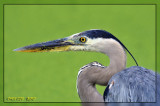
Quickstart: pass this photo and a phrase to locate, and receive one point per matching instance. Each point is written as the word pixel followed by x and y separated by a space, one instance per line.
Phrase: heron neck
pixel 87 90
pixel 117 58
pixel 116 54
pixel 99 75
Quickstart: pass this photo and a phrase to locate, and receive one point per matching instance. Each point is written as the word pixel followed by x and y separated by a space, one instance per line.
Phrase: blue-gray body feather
pixel 134 84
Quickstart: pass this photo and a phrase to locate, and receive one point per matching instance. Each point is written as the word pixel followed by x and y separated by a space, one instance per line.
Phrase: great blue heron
pixel 134 84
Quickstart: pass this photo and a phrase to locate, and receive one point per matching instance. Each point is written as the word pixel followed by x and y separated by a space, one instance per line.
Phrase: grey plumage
pixel 135 84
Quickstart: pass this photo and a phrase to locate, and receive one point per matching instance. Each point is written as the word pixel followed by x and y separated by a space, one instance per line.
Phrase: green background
pixel 51 77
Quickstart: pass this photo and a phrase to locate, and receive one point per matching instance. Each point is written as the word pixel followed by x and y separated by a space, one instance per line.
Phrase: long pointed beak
pixel 55 45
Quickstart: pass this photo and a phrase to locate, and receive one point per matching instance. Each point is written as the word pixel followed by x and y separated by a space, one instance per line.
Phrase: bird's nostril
pixel 42 48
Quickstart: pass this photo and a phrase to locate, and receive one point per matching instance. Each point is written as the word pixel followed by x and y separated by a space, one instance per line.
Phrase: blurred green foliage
pixel 51 77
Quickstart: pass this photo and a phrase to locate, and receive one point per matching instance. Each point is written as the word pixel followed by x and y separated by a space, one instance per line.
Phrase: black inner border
pixel 90 4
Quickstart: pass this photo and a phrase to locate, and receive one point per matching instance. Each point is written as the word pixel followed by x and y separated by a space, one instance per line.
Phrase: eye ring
pixel 82 39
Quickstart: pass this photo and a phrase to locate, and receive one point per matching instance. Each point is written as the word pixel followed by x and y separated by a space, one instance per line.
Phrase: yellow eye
pixel 82 39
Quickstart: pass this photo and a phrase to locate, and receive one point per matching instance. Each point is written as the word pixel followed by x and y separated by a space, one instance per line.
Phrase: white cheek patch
pixel 89 45
pixel 94 41
pixel 77 48
pixel 95 44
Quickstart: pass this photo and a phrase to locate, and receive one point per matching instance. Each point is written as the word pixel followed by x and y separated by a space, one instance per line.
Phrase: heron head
pixel 90 40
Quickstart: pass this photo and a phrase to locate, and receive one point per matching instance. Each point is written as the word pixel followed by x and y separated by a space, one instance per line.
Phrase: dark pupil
pixel 82 39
